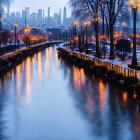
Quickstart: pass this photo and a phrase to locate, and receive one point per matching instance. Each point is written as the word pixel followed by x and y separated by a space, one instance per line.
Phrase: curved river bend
pixel 44 98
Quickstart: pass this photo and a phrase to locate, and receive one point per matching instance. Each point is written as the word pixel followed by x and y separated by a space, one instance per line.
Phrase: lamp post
pixel 86 25
pixel 16 33
pixel 27 31
pixel 75 33
pixel 123 24
pixel 66 34
pixel 135 5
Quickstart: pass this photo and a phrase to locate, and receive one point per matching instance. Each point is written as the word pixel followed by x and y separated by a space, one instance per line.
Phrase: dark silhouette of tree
pixel 123 47
pixel 88 9
pixel 5 35
pixel 3 3
pixel 114 7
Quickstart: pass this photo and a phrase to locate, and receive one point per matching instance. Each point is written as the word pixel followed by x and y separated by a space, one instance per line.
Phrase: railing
pixel 110 66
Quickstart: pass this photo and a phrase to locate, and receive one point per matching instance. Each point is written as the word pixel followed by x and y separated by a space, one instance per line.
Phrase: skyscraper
pixel 49 16
pixel 13 15
pixel 65 16
pixel 40 17
pixel 59 21
pixel 34 19
pixel 49 11
pixel 23 16
pixel 43 16
pixel 8 10
pixel 27 15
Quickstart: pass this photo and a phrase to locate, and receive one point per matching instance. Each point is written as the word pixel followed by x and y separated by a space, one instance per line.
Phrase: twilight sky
pixel 34 5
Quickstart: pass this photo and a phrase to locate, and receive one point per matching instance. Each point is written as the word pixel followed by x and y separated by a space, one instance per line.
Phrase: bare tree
pixel 114 7
pixel 87 9
pixel 3 3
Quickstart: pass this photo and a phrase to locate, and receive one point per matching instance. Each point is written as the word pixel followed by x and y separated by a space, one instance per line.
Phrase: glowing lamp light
pixel 87 23
pixel 75 23
pixel 123 24
pixel 16 25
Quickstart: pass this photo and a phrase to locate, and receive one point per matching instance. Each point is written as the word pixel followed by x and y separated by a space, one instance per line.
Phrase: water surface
pixel 45 98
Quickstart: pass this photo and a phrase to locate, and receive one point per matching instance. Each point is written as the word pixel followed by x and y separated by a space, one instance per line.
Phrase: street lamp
pixel 86 25
pixel 75 33
pixel 27 31
pixel 135 5
pixel 16 33
pixel 123 24
pixel 66 34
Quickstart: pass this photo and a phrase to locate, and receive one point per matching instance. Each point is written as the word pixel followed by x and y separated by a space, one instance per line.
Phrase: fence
pixel 110 66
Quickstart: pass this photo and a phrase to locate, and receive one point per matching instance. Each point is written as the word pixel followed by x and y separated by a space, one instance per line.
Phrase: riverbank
pixel 122 80
pixel 17 57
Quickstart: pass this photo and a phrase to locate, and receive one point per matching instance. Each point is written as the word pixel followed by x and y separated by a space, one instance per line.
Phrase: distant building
pixel 27 15
pixel 40 17
pixel 65 16
pixel 59 20
pixel 13 16
pixel 56 18
pixel 23 17
pixel 18 17
pixel 43 16
pixel 34 19
pixel 49 16
pixel 49 11
pixel 8 11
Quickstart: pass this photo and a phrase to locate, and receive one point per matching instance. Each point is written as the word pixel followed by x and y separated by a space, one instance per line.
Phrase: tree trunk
pixel 111 43
pixel 97 40
pixel 111 15
pixel 86 40
pixel 103 35
pixel 96 32
pixel 134 59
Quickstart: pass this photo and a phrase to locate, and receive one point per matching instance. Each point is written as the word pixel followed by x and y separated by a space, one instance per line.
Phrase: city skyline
pixel 18 5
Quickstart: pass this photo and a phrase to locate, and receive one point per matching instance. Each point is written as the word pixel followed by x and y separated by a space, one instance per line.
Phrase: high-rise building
pixel 43 16
pixel 49 16
pixel 40 17
pixel 59 21
pixel 49 11
pixel 8 11
pixel 56 18
pixel 23 17
pixel 17 15
pixel 34 19
pixel 27 15
pixel 65 16
pixel 13 16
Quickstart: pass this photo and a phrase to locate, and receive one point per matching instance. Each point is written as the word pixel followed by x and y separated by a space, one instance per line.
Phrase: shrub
pixel 111 73
pixel 80 60
pixel 12 59
pixel 3 62
pixel 19 55
pixel 137 89
pixel 96 68
pixel 73 56
pixel 24 52
pixel 119 76
pixel 129 80
pixel 102 70
pixel 88 63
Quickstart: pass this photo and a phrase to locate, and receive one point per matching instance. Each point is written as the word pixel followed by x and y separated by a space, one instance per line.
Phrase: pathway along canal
pixel 44 98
